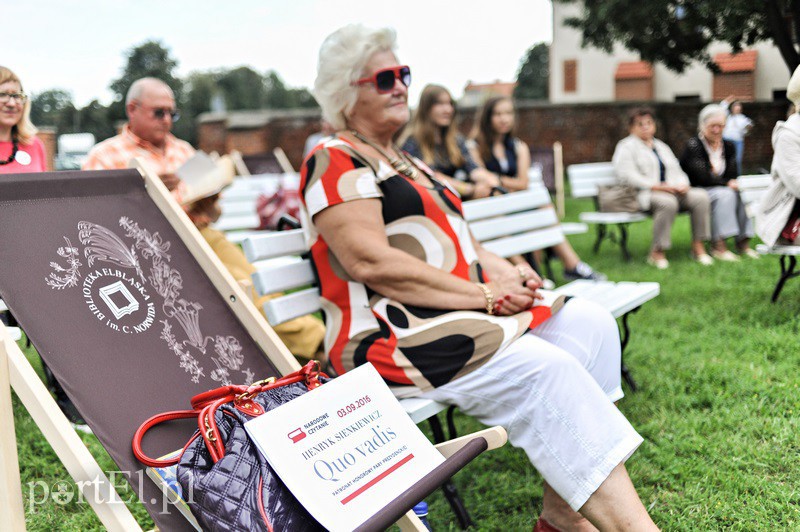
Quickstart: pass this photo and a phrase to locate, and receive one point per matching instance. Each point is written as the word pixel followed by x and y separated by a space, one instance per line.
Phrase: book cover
pixel 166 479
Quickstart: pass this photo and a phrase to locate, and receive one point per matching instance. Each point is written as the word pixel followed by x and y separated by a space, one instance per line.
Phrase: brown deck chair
pixel 89 271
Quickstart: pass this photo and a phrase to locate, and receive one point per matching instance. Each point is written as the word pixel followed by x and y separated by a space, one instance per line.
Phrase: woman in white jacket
pixel 782 200
pixel 643 162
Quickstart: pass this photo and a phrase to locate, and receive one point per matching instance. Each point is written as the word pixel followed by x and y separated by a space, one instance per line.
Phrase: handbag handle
pixel 205 407
pixel 138 452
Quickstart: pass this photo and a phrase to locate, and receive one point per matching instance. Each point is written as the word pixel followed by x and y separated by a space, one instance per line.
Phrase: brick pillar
pixel 48 137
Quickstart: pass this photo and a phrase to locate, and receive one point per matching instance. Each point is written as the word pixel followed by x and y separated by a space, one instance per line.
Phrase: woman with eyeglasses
pixel 406 287
pixel 20 150
pixel 434 138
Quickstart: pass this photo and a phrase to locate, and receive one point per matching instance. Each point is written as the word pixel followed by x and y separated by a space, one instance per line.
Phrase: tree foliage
pixel 678 32
pixel 149 59
pixel 533 74
pixel 54 108
pixel 240 88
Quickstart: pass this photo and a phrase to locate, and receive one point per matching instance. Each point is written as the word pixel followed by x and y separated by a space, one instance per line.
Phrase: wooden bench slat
pixel 513 223
pixel 275 244
pixel 497 205
pixel 294 305
pixel 778 250
pixel 421 409
pixel 235 208
pixel 239 236
pixel 271 279
pixel 522 243
pixel 239 221
pixel 611 217
pixel 574 228
pixel 619 298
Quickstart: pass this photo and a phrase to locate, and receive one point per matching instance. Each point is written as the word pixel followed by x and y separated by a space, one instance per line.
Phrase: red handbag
pixel 792 227
pixel 232 485
pixel 270 209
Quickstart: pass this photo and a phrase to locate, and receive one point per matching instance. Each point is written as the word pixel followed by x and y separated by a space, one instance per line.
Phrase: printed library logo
pixel 118 300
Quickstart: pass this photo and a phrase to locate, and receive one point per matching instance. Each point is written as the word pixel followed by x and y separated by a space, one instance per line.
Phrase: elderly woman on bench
pixel 406 287
pixel 710 163
pixel 645 163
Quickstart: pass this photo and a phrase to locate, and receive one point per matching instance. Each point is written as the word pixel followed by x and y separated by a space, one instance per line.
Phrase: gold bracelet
pixel 487 293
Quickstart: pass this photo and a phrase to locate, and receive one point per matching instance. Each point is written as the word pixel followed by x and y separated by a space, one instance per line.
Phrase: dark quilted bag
pixel 239 490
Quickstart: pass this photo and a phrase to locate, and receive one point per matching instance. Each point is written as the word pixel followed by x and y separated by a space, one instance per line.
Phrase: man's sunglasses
pixel 384 79
pixel 160 112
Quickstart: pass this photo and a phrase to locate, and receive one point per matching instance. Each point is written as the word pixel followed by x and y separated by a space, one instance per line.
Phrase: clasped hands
pixel 515 290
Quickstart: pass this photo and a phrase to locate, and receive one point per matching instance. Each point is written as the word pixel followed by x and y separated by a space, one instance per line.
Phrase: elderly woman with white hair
pixel 407 288
pixel 710 163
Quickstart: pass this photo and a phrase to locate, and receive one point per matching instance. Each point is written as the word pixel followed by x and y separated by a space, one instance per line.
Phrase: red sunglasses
pixel 384 79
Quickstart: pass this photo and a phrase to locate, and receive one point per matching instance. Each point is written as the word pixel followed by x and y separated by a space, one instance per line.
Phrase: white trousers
pixel 553 391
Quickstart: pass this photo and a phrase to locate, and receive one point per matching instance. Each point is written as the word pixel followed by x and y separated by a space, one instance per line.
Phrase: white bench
pixel 238 201
pixel 15 332
pixel 584 180
pixel 507 225
pixel 752 188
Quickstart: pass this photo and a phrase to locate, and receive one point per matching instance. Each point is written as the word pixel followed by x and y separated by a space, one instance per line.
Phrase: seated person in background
pixel 150 106
pixel 435 119
pixel 643 162
pixel 778 217
pixel 434 138
pixel 303 336
pixel 710 163
pixel 405 287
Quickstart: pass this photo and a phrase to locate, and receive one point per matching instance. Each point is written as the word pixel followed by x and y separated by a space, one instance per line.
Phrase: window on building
pixel 779 95
pixel 570 75
pixel 687 97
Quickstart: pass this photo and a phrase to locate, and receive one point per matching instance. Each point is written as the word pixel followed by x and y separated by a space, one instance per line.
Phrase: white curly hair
pixel 342 58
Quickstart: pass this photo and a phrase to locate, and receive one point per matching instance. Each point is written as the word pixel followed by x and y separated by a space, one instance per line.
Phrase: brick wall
pixel 633 90
pixel 48 137
pixel 741 84
pixel 211 136
pixel 247 141
pixel 588 132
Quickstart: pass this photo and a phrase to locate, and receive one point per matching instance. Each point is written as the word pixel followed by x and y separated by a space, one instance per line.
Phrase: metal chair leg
pixel 786 274
pixel 601 234
pixel 623 241
pixel 625 337
pixel 448 488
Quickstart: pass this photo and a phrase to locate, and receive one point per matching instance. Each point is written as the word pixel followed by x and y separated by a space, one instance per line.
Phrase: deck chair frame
pixel 16 373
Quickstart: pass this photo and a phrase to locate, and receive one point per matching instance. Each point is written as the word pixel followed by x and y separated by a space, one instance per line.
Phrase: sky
pixel 80 46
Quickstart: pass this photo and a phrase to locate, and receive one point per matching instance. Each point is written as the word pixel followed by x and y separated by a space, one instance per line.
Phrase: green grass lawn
pixel 718 406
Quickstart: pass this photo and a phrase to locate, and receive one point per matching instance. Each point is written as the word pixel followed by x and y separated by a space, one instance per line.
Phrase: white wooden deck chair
pixel 14 332
pixel 133 313
pixel 238 163
pixel 283 160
